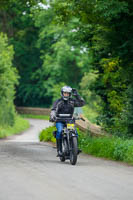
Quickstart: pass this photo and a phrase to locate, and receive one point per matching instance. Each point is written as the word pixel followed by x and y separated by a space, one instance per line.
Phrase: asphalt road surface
pixel 30 170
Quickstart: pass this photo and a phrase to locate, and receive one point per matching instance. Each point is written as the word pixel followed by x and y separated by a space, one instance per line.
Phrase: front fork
pixel 69 139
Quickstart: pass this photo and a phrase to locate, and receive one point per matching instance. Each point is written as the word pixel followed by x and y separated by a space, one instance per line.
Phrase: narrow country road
pixel 30 170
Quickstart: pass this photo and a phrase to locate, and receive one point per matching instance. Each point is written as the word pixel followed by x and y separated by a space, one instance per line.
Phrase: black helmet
pixel 67 89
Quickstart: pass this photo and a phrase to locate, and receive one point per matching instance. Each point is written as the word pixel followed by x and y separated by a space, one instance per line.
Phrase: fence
pixel 82 125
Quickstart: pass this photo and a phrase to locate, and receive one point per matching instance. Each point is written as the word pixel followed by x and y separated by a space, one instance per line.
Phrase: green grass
pixel 45 117
pixel 19 126
pixel 112 148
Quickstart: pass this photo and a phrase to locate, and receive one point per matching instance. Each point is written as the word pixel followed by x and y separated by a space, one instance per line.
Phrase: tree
pixel 63 58
pixel 8 80
pixel 106 26
pixel 17 22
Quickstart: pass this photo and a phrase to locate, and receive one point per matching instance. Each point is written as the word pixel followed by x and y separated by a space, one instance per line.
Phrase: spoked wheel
pixel 74 151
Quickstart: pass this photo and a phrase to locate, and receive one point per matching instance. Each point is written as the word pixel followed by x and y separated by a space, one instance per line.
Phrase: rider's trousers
pixel 60 126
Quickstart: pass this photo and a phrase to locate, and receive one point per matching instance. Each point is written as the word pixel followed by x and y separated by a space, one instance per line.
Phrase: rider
pixel 64 105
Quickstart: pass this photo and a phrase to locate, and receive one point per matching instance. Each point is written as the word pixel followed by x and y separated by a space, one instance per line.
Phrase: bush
pixel 47 134
pixel 8 79
pixel 129 153
pixel 113 148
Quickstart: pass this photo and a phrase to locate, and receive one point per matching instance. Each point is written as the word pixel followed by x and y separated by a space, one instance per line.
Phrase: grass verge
pixel 112 148
pixel 19 126
pixel 45 117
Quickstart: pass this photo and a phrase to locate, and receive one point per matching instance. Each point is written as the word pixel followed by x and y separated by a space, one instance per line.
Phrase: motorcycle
pixel 69 138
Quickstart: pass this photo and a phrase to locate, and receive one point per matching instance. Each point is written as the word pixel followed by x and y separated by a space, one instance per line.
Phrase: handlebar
pixel 67 119
pixel 70 117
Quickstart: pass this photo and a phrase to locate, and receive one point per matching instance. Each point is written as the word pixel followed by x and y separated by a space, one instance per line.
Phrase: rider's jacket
pixel 61 106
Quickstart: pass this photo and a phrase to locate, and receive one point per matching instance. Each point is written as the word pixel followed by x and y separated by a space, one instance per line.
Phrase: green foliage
pixel 113 148
pixel 91 113
pixel 19 126
pixel 129 154
pixel 110 39
pixel 47 134
pixel 92 108
pixel 98 10
pixel 85 44
pixel 112 80
pixel 17 21
pixel 127 113
pixel 57 91
pixel 63 59
pixel 8 79
pixel 86 85
pixel 113 96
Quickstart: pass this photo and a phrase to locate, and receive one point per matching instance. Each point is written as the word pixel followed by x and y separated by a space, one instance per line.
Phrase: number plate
pixel 71 126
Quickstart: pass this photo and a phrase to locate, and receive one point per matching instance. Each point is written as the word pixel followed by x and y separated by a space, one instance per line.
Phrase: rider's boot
pixel 59 147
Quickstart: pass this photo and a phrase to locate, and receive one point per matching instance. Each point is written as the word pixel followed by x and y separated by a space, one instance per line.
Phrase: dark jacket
pixel 61 106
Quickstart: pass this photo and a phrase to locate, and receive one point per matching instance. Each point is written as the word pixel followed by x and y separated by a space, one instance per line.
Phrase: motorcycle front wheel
pixel 74 151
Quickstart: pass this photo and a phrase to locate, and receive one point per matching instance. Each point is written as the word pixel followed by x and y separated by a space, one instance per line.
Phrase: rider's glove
pixel 74 91
pixel 52 116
